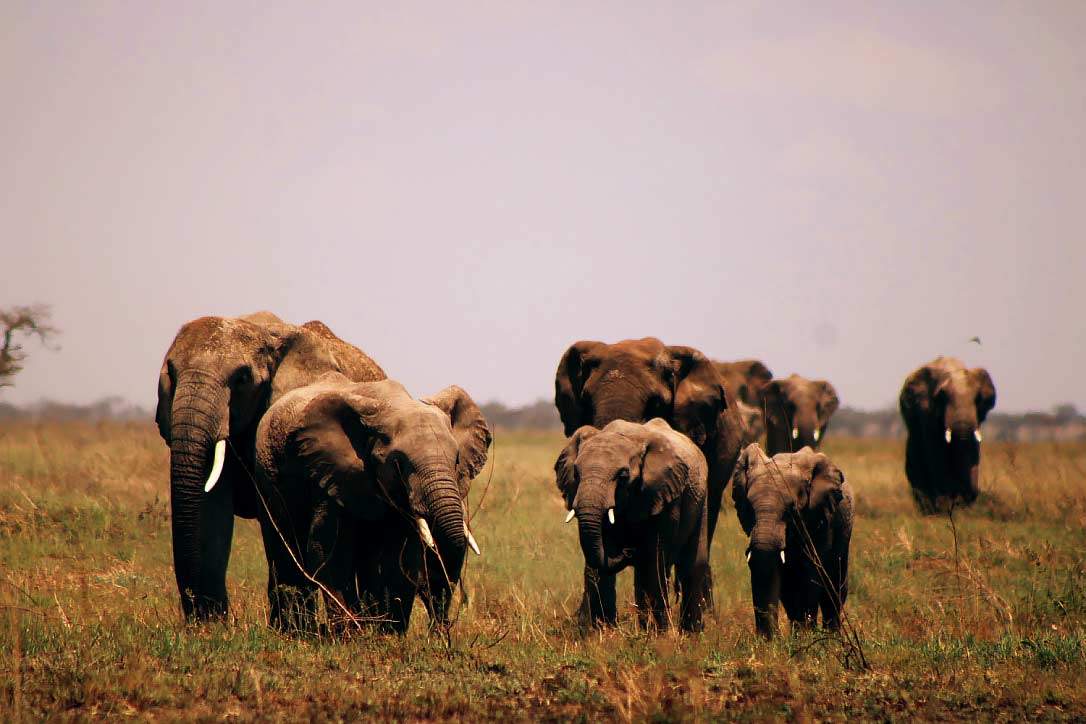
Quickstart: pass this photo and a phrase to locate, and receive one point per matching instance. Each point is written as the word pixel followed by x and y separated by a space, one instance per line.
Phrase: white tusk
pixel 748 556
pixel 795 433
pixel 782 556
pixel 216 466
pixel 569 516
pixel 611 515
pixel 817 434
pixel 471 541
pixel 977 435
pixel 948 436
pixel 424 531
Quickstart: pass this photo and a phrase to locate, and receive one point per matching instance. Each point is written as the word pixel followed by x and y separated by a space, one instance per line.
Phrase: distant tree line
pixel 1064 422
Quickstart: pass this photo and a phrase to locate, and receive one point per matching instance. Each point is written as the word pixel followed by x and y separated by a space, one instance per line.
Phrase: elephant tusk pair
pixel 782 556
pixel 216 466
pixel 610 515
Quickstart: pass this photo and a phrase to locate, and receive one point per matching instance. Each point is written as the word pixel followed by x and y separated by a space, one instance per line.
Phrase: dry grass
pixel 89 622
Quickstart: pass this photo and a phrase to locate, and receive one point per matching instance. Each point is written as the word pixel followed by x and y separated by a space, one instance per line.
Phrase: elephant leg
pixel 397 585
pixel 691 571
pixel 919 475
pixel 598 606
pixel 369 543
pixel 651 589
pixel 290 593
pixel 329 557
pixel 833 600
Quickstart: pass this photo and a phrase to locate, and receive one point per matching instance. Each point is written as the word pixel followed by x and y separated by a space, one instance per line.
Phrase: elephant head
pixel 776 499
pixel 798 411
pixel 637 380
pixel 615 479
pixel 746 380
pixel 214 385
pixel 944 403
pixel 375 449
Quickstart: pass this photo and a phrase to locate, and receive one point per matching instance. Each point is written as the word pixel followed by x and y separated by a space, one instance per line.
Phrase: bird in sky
pixel 974 339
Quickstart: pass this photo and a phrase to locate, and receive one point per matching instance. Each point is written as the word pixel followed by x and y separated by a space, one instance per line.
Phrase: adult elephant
pixel 218 378
pixel 943 405
pixel 367 491
pixel 746 379
pixel 637 380
pixel 798 412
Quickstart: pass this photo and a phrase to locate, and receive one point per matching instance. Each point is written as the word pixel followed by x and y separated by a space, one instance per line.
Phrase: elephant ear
pixel 827 399
pixel 573 370
pixel 740 485
pixel 699 397
pixel 165 402
pixel 469 427
pixel 916 393
pixel 564 475
pixel 774 395
pixel 334 432
pixel 826 487
pixel 665 473
pixel 986 392
pixel 758 376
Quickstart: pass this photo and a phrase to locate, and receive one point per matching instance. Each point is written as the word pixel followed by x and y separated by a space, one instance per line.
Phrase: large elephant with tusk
pixel 367 491
pixel 218 378
pixel 638 379
pixel 797 412
pixel 943 405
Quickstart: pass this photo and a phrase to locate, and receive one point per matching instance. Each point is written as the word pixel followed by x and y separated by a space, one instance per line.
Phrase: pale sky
pixel 844 190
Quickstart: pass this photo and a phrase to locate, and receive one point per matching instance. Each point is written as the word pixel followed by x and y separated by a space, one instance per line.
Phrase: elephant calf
pixel 639 493
pixel 365 489
pixel 797 510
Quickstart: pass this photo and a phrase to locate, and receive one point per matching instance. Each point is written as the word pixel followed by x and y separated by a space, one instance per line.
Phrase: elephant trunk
pixel 445 508
pixel 963 460
pixel 765 587
pixel 202 522
pixel 619 400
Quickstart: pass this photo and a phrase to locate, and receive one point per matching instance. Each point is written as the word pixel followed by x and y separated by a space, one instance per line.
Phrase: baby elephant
pixel 365 489
pixel 639 494
pixel 797 510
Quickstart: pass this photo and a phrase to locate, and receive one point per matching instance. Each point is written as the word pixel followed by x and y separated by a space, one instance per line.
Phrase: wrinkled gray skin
pixel 746 379
pixel 941 398
pixel 349 469
pixel 776 500
pixel 798 412
pixel 218 377
pixel 639 379
pixel 654 479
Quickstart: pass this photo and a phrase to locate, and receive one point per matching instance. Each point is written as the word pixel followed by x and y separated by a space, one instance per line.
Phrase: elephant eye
pixel 622 476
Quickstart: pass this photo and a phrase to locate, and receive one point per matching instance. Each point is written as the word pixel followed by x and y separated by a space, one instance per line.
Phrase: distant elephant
pixel 791 506
pixel 218 377
pixel 637 380
pixel 746 379
pixel 943 405
pixel 639 494
pixel 798 412
pixel 367 487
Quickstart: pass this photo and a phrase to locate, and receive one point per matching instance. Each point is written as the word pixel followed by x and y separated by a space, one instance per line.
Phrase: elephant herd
pixel 360 489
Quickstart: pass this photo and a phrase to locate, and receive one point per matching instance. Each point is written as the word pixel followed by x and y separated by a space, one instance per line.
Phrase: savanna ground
pixel 989 623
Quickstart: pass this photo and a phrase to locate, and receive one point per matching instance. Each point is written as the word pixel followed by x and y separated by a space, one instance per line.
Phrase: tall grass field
pixel 982 616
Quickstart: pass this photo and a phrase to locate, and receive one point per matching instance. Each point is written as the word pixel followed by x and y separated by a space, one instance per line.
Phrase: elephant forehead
pixel 607 448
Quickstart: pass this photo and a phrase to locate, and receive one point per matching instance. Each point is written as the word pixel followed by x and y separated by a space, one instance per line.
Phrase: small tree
pixel 24 322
